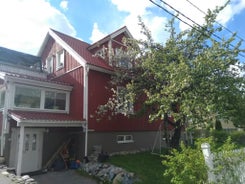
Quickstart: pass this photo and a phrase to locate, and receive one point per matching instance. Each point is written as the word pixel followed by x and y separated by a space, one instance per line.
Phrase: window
pixel 60 59
pixel 2 99
pixel 30 97
pixel 27 139
pixel 50 64
pixel 34 142
pixel 124 139
pixel 123 60
pixel 101 53
pixel 125 105
pixel 55 100
pixel 27 97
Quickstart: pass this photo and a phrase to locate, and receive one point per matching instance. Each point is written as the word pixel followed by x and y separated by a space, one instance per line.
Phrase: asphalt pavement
pixel 63 177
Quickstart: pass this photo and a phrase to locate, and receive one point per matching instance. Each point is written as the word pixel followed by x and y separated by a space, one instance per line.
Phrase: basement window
pixel 125 139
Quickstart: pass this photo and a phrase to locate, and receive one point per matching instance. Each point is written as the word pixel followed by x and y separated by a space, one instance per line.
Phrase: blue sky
pixel 24 23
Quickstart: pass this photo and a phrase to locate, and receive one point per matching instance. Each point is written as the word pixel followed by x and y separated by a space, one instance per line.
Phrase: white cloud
pixel 96 33
pixel 155 23
pixel 24 24
pixel 197 16
pixel 64 5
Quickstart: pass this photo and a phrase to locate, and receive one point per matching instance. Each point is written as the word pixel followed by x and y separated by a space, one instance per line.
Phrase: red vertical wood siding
pixel 75 78
pixel 67 75
pixel 98 95
pixel 97 92
pixel 50 50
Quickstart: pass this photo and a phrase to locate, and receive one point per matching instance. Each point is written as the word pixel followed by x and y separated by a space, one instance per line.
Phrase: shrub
pixel 227 163
pixel 186 166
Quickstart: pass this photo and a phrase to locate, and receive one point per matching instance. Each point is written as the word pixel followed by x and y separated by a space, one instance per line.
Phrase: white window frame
pixel 122 139
pixel 101 53
pixel 42 99
pixel 55 98
pixel 60 59
pixel 50 64
pixel 30 88
pixel 2 98
pixel 130 108
pixel 122 60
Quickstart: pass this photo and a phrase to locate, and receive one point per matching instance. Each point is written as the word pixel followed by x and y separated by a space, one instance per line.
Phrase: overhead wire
pixel 199 9
pixel 188 18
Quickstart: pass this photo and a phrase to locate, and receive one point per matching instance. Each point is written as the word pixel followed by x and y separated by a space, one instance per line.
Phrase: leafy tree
pixel 191 71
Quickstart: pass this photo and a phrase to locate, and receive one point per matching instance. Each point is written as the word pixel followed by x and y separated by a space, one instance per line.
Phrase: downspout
pixel 85 107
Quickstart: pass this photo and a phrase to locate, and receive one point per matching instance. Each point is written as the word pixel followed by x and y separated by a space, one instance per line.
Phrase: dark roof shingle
pixel 9 56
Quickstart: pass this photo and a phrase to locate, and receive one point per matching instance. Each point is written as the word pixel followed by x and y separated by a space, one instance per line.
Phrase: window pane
pixel 60 59
pixel 27 97
pixel 61 101
pixel 50 64
pixel 55 100
pixel 34 142
pixel 49 100
pixel 27 142
pixel 128 137
pixel 120 138
pixel 2 99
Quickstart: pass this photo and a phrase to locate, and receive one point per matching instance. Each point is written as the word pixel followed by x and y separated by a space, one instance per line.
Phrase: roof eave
pixel 43 45
pixel 111 36
pixel 50 123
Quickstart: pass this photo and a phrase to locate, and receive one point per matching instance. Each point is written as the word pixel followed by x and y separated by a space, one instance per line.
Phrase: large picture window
pixel 27 97
pixel 55 100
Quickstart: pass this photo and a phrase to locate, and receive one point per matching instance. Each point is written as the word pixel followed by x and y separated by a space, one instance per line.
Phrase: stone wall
pixel 108 172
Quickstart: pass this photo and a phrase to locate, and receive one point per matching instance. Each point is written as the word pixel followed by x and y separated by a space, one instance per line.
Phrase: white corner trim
pixel 80 59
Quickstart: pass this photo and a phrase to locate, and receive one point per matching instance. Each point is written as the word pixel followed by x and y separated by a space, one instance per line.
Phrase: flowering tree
pixel 192 70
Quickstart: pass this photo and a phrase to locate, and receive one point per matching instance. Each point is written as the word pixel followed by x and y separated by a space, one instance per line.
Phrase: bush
pixel 238 137
pixel 227 163
pixel 186 166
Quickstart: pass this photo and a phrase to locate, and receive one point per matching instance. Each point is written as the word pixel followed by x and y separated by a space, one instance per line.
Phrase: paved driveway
pixel 63 177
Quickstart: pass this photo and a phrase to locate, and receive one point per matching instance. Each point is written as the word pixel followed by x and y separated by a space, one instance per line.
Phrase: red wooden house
pixel 43 108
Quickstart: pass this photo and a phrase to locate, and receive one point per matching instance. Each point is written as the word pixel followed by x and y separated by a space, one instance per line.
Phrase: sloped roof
pixel 81 48
pixel 111 36
pixel 9 56
pixel 37 79
pixel 45 118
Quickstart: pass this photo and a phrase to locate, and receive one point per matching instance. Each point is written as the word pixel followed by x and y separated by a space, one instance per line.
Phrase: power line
pixel 215 21
pixel 186 18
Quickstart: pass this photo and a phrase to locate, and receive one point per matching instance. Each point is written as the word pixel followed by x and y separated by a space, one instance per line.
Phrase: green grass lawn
pixel 147 167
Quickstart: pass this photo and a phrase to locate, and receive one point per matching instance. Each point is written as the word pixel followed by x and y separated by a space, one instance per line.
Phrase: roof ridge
pixel 73 37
